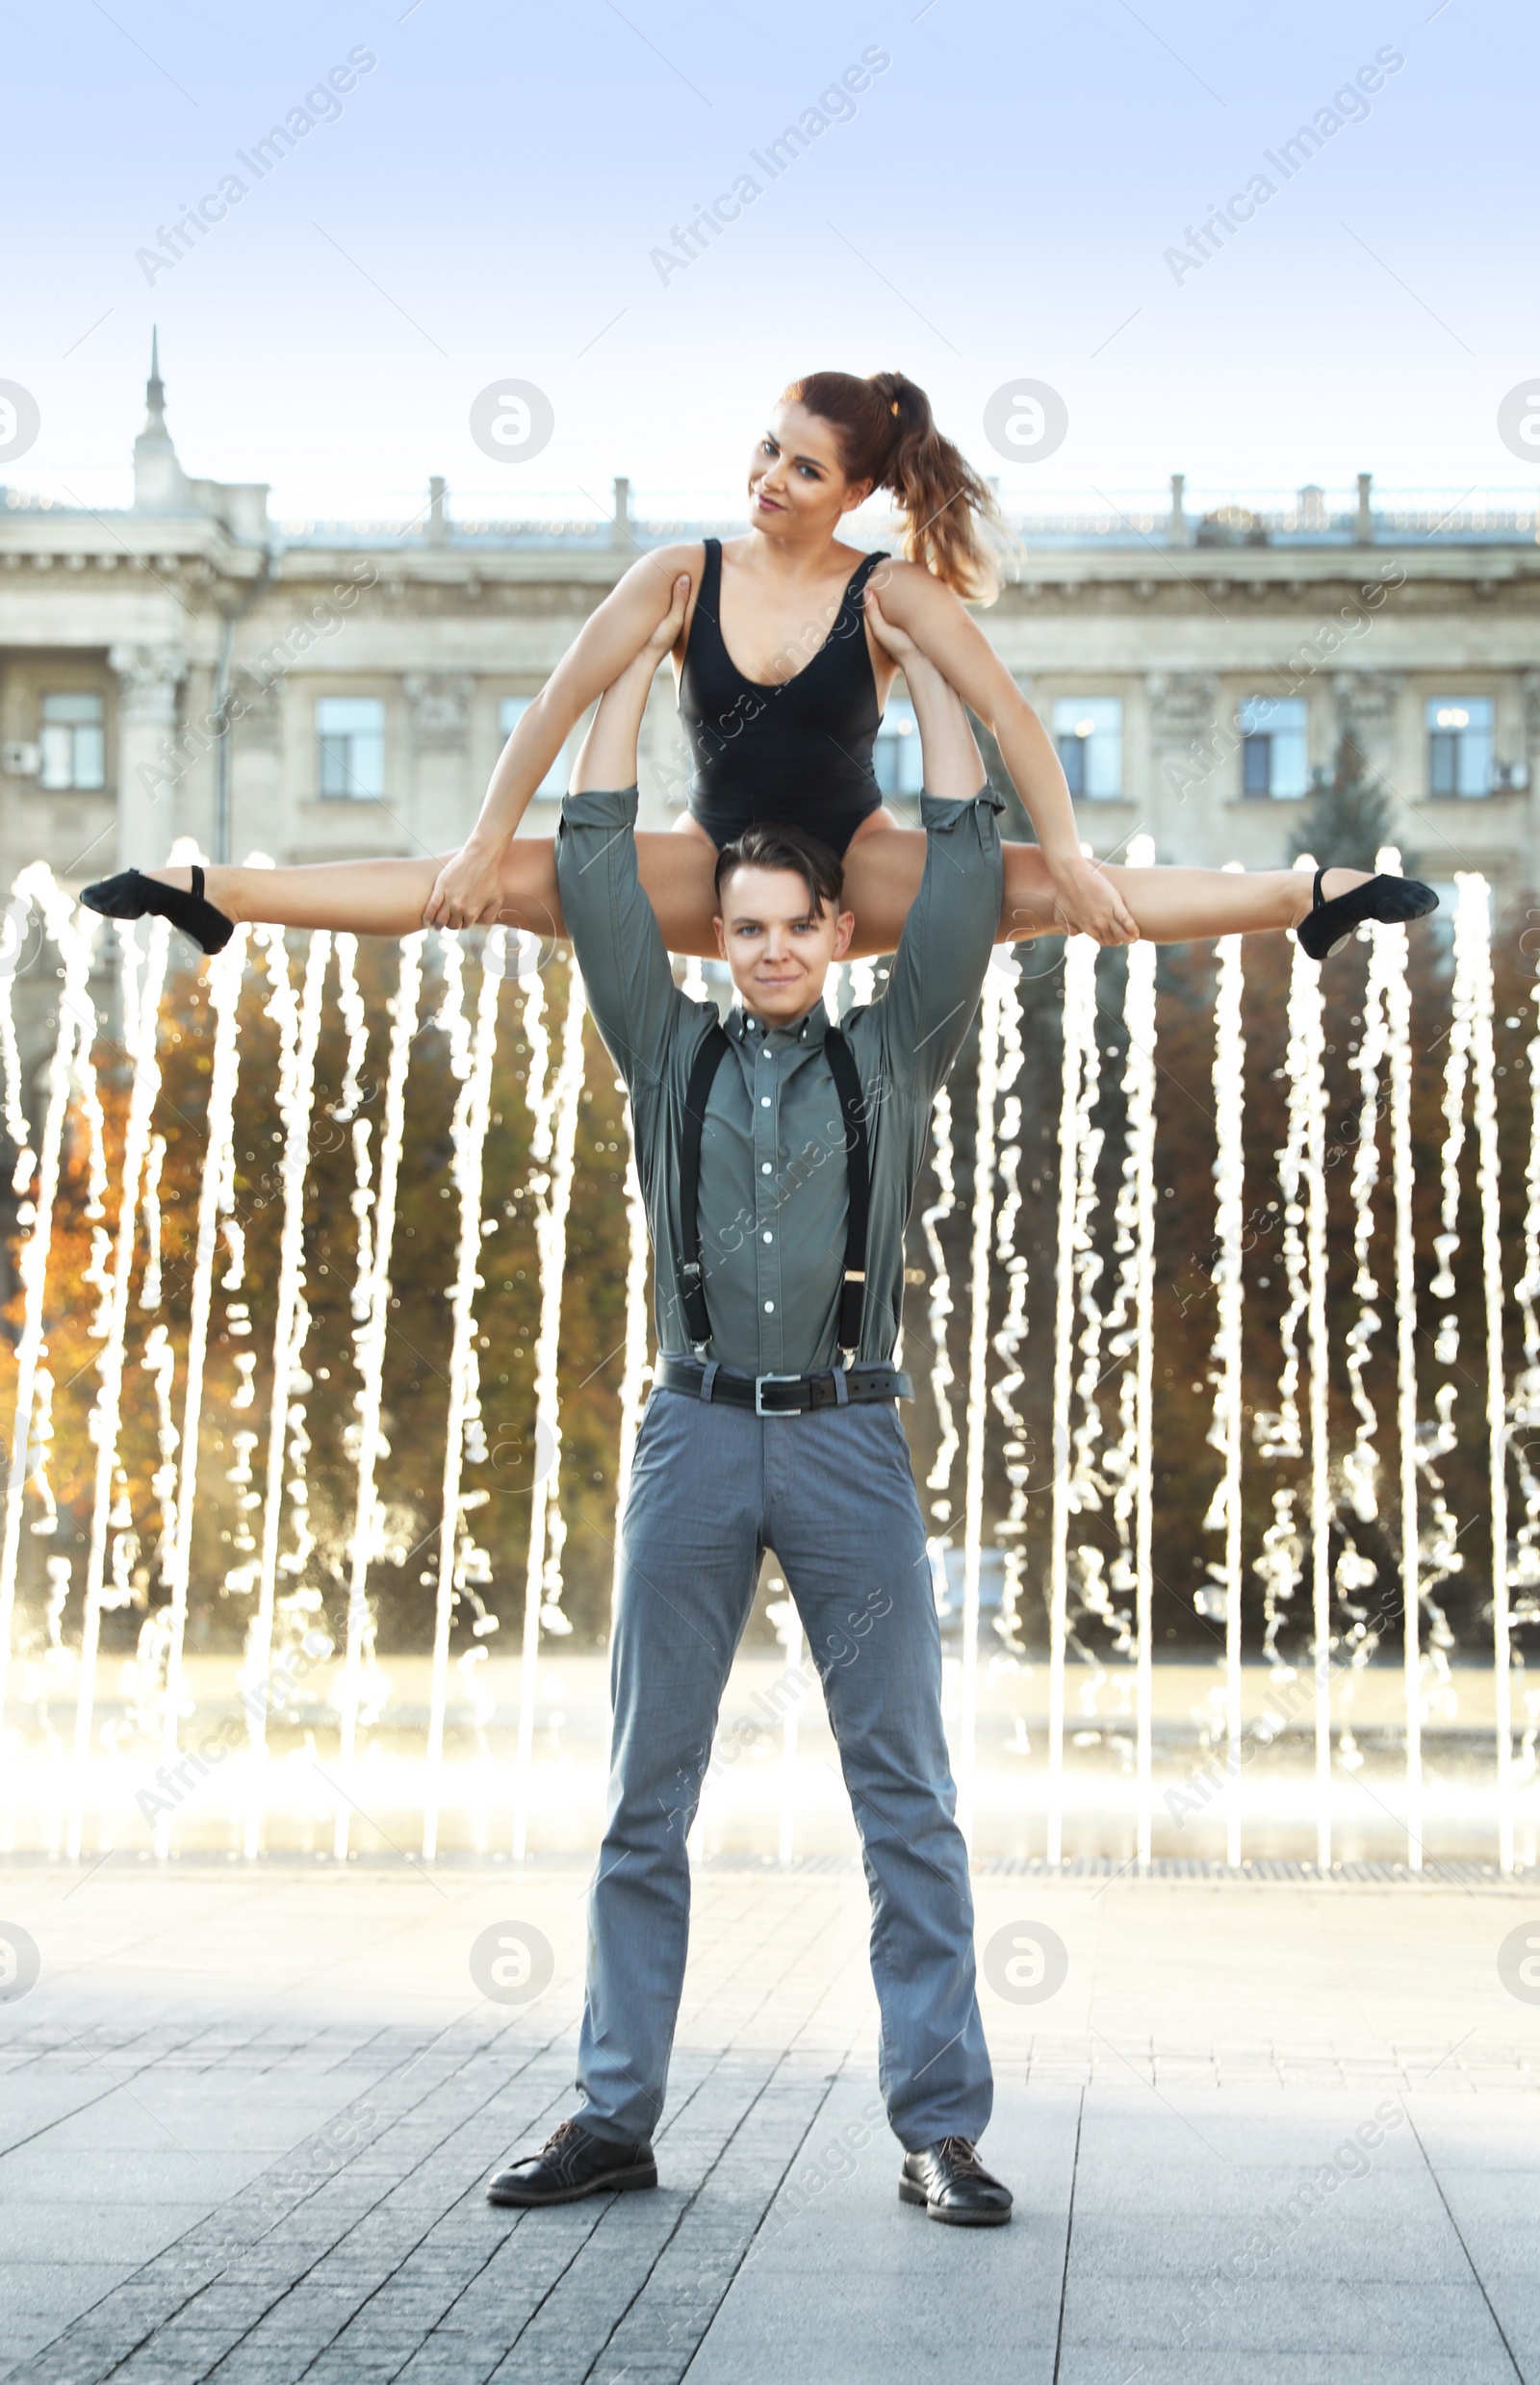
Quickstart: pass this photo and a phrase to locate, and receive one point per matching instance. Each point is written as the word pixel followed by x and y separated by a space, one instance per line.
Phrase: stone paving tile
pixel 161 2363
pixel 296 2190
pixel 723 2222
pixel 1083 2366
pixel 1349 2319
pixel 507 2292
pixel 843 2281
pixel 38 2231
pixel 1375 2246
pixel 1216 2077
pixel 37 2298
pixel 621 2263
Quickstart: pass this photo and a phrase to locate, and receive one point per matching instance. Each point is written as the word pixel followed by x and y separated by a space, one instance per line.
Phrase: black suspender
pixel 847 1084
pixel 692 1287
pixel 714 1045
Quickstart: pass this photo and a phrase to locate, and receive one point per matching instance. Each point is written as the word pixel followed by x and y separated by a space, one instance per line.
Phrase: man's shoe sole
pixel 908 2193
pixel 608 2182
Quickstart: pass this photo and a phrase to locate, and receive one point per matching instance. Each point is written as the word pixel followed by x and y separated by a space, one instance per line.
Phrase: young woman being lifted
pixel 782 685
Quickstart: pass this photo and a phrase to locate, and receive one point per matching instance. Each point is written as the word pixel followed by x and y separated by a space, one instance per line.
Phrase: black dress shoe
pixel 1326 926
pixel 130 895
pixel 954 2186
pixel 572 2164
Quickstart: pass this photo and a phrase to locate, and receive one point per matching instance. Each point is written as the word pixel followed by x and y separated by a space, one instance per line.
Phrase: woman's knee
pixel 528 887
pixel 1029 903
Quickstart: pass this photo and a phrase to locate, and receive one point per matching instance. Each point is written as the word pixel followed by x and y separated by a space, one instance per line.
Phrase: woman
pixel 782 685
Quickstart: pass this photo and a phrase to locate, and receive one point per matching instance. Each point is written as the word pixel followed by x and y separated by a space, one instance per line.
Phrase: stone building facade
pixel 181 668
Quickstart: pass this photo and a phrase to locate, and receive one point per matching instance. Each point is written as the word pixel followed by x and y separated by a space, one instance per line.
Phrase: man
pixel 777 1220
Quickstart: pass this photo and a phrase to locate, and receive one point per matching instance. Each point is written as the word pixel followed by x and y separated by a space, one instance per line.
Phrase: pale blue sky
pixel 998 204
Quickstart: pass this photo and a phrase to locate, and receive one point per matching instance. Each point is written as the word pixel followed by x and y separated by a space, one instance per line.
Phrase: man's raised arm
pixel 620 947
pixel 950 932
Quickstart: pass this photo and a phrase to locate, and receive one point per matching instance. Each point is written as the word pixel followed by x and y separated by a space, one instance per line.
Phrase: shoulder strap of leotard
pixel 706 618
pixel 851 609
pixel 710 575
pixel 864 572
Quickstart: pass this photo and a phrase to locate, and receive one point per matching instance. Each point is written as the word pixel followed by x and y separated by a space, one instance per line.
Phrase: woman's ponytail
pixel 888 435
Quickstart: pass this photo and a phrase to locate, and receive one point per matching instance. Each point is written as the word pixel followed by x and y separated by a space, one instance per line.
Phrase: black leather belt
pixel 781 1395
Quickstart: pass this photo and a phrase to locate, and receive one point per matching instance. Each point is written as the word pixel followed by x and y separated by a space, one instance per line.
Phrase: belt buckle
pixel 759 1382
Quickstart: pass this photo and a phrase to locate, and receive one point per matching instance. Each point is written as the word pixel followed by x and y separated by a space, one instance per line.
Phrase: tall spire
pixel 160 485
pixel 155 387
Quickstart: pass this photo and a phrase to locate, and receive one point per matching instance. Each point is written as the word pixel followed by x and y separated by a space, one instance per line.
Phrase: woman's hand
pixel 889 636
pixel 671 629
pixel 1090 904
pixel 468 890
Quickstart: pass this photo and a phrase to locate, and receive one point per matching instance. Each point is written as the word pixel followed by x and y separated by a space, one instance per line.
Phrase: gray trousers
pixel 832 1494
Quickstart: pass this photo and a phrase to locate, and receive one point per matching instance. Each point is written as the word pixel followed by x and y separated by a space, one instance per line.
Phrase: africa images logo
pixel 1348 106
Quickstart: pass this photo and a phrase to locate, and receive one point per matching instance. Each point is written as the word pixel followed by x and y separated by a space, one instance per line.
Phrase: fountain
pixel 1038 1433
pixel 1226 1432
pixel 374 1208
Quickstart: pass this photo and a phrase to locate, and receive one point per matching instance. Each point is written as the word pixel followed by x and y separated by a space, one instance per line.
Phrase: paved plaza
pixel 1279 2129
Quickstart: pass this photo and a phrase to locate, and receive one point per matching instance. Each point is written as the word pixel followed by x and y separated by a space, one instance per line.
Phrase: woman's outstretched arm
pixel 1168 906
pixel 1090 900
pixel 469 888
pixel 608 756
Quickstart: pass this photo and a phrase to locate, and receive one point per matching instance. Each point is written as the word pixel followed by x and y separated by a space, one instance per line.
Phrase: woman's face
pixel 797 483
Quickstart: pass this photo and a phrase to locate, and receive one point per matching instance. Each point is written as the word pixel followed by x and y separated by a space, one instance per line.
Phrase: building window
pixel 1089 733
pixel 72 747
pixel 1275 747
pixel 554 783
pixel 350 730
pixel 896 758
pixel 1459 745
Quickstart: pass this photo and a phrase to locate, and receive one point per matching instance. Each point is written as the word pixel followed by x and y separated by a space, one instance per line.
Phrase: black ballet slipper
pixel 130 895
pixel 1327 926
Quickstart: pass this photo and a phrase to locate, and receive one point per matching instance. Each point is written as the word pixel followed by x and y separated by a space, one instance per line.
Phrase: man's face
pixel 776 945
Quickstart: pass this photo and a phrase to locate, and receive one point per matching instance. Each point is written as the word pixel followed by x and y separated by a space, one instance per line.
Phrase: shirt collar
pixel 805 1033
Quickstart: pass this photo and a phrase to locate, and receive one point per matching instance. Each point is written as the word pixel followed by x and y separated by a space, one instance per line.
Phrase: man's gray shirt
pixel 773 1188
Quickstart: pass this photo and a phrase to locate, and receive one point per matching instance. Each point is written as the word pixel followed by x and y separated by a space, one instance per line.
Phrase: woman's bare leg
pixel 883 866
pixel 373 896
pixel 379 897
pixel 679 871
pixel 883 870
pixel 1171 906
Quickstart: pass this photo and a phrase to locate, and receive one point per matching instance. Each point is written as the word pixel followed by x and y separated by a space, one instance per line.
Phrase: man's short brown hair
pixel 766 845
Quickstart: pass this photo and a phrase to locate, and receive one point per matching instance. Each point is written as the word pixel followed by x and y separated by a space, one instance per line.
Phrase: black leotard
pixel 800 753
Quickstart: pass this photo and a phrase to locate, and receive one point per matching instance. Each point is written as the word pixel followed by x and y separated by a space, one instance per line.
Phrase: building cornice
pixel 70 540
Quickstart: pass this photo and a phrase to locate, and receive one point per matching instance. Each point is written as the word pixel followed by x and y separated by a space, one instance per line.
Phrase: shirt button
pixel 764 1101
pixel 769 1307
pixel 764 1167
pixel 769 1237
pixel 765 1051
